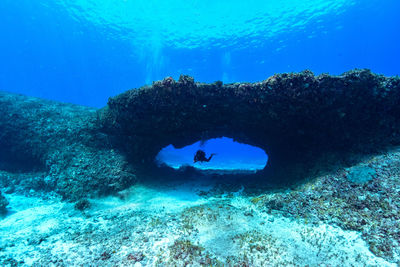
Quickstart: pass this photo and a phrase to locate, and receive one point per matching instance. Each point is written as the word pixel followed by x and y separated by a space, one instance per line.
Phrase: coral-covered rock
pixel 61 148
pixel 307 124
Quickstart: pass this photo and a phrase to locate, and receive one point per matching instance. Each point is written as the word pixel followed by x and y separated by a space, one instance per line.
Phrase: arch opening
pixel 225 154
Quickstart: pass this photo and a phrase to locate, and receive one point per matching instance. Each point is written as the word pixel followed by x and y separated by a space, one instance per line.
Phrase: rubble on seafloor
pixel 371 207
pixel 329 221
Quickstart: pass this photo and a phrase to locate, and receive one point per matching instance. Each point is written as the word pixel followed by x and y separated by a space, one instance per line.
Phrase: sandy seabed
pixel 195 223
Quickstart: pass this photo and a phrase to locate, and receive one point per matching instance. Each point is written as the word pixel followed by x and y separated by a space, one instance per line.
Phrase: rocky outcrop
pixel 61 145
pixel 307 124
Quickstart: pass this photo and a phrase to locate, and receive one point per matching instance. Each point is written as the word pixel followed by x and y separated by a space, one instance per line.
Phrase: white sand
pixel 150 219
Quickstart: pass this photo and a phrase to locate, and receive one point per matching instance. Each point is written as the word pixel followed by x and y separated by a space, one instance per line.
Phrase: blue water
pixel 84 51
pixel 247 157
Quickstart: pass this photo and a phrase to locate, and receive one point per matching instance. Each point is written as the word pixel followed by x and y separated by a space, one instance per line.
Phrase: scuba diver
pixel 201 156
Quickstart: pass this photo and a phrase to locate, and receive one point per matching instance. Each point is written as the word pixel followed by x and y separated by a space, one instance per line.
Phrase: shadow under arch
pixel 307 124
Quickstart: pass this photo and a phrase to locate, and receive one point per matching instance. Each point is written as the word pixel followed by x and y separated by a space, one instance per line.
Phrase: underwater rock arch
pixel 305 123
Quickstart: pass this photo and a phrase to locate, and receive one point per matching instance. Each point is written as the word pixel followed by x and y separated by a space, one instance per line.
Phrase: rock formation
pixel 307 125
pixel 59 147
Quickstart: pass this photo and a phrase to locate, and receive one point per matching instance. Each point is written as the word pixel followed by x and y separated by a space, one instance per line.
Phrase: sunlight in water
pixel 192 23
